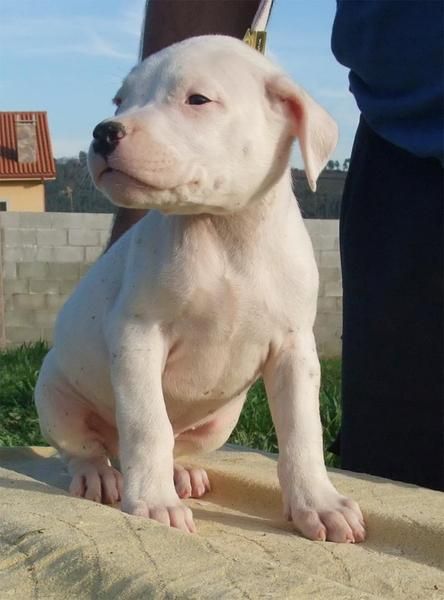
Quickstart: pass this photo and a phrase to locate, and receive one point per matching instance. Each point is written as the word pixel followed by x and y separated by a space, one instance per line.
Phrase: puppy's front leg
pixel 146 437
pixel 318 511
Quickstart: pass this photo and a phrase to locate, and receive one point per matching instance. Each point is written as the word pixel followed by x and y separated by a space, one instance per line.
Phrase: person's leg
pixel 392 250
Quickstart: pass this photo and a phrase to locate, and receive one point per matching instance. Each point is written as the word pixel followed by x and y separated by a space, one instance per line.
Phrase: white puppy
pixel 157 347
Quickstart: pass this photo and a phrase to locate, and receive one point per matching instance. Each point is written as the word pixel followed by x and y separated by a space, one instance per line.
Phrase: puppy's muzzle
pixel 107 136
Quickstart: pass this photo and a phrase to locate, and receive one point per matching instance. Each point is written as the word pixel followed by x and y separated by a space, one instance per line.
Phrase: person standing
pixel 392 241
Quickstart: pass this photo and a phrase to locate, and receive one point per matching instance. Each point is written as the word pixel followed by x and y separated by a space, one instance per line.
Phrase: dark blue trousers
pixel 392 251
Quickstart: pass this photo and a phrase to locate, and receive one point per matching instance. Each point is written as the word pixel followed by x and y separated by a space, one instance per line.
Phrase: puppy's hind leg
pixel 193 481
pixel 84 440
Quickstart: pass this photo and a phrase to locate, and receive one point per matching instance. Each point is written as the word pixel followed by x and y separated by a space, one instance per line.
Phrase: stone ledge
pixel 244 548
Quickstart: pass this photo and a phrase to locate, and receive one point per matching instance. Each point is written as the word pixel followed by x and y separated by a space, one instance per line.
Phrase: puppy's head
pixel 205 126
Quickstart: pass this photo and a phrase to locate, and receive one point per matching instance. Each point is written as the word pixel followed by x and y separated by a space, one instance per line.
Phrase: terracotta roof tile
pixel 10 167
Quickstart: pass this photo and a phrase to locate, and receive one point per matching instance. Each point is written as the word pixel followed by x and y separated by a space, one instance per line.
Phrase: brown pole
pixel 188 18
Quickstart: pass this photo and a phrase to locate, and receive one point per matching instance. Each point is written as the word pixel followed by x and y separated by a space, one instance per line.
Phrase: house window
pixel 3 205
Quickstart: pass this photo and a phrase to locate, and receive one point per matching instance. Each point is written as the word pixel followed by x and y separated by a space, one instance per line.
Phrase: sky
pixel 68 57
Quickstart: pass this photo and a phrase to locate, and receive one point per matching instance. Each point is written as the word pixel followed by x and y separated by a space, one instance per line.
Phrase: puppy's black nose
pixel 106 137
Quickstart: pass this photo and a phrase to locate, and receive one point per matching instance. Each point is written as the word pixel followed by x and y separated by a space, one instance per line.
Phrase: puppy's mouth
pixel 123 178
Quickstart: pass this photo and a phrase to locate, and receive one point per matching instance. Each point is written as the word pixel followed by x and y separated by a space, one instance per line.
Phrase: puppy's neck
pixel 239 234
pixel 263 215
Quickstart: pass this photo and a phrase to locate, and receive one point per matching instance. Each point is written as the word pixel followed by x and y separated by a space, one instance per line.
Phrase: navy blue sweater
pixel 395 52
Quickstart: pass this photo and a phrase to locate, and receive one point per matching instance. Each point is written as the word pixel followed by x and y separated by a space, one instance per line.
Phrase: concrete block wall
pixel 324 235
pixel 44 255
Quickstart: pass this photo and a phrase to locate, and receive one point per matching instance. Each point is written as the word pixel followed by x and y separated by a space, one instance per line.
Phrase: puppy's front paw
pixel 173 513
pixel 190 482
pixel 95 479
pixel 323 514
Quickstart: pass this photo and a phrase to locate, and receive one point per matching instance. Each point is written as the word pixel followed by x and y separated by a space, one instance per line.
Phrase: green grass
pixel 255 427
pixel 19 425
pixel 19 369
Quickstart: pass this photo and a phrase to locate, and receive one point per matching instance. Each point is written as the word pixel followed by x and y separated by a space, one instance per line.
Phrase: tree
pixel 73 190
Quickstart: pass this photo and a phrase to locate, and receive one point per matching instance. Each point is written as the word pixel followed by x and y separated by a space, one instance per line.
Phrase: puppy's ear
pixel 312 125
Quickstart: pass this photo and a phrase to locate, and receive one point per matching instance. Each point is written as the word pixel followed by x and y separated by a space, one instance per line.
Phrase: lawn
pixel 19 425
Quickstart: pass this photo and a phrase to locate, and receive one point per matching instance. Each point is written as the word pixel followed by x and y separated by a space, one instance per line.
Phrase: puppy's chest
pixel 217 346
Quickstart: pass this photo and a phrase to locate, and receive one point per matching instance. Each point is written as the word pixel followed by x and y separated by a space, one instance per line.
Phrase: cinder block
pixel 104 237
pixel 97 220
pixel 51 237
pixel 9 304
pixel 19 253
pixel 45 318
pixel 333 289
pixel 328 327
pixel 329 324
pixel 326 242
pixel 46 254
pixel 329 321
pixel 84 268
pixel 107 221
pixel 329 227
pixel 55 303
pixel 314 237
pixel 35 220
pixel 327 305
pixel 331 348
pixel 70 254
pixel 9 270
pixel 16 286
pixel 313 227
pixel 19 317
pixel 83 237
pixel 45 286
pixel 67 287
pixel 69 220
pixel 65 220
pixel 19 237
pixel 328 347
pixel 19 335
pixel 28 301
pixel 93 253
pixel 321 324
pixel 330 258
pixel 9 219
pixel 64 271
pixel 32 270
pixel 330 274
pixel 338 305
pixel 47 334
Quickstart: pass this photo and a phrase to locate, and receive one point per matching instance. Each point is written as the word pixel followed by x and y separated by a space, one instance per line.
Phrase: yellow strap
pixel 256 39
pixel 256 36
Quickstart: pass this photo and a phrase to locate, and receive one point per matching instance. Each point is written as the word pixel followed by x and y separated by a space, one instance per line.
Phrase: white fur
pixel 157 347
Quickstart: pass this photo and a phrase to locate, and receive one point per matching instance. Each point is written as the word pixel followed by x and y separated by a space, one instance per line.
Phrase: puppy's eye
pixel 117 101
pixel 197 99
